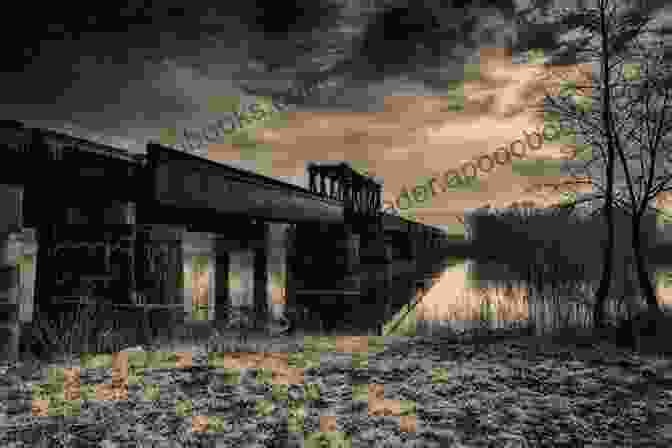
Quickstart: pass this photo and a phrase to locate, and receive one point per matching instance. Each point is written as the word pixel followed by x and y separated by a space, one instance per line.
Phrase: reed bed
pixel 542 266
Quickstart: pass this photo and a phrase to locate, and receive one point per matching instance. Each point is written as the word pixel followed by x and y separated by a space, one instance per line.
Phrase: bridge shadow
pixel 378 309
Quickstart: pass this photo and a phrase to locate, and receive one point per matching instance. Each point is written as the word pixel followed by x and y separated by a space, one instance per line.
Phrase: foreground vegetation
pixel 298 386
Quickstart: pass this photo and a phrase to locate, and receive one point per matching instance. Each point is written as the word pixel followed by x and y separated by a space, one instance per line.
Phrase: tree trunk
pixel 605 282
pixel 645 285
pixel 607 259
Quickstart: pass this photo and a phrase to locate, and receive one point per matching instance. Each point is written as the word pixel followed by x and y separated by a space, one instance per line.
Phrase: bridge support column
pixel 412 245
pixel 87 250
pixel 260 289
pixel 348 244
pixel 44 272
pixel 10 222
pixel 86 253
pixel 323 277
pixel 222 269
pixel 160 269
pixel 199 282
pixel 161 263
pixel 377 266
pixel 290 253
pixel 188 290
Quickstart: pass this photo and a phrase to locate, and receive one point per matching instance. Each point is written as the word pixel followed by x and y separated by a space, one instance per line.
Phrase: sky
pixel 374 85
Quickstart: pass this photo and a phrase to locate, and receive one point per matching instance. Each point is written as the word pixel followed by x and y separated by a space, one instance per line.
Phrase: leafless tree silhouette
pixel 604 117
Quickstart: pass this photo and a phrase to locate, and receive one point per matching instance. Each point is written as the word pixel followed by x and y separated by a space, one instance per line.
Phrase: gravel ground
pixel 406 392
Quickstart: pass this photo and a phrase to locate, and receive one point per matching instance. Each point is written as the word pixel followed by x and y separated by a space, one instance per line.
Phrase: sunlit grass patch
pixel 408 407
pixel 360 392
pixel 199 313
pixel 216 424
pixel 403 323
pixel 231 376
pixel 280 392
pixel 323 344
pixel 311 391
pixel 296 413
pixel 265 376
pixel 327 439
pixel 665 278
pixel 278 279
pixel 56 403
pixel 376 344
pixel 152 392
pixel 265 408
pixel 535 56
pixel 440 375
pixel 488 311
pixel 183 408
pixel 53 394
pixel 304 359
pixel 296 360
pixel 360 360
pixel 136 360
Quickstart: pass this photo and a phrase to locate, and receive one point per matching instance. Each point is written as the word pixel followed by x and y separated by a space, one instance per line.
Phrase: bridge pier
pixel 323 278
pixel 98 253
pixel 413 244
pixel 252 236
pixel 377 260
pixel 162 270
pixel 222 271
pixel 260 268
pixel 10 223
pixel 357 278
pixel 161 263
pixel 87 250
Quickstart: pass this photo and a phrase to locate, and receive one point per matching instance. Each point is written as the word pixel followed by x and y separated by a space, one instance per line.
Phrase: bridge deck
pixel 186 181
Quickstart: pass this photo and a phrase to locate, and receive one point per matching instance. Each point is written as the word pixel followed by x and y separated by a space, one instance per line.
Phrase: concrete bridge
pixel 113 225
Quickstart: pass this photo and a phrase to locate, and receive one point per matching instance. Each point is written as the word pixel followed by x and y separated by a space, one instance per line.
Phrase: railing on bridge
pixel 361 194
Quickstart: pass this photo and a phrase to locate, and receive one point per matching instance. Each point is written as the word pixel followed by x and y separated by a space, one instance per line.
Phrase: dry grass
pixel 550 279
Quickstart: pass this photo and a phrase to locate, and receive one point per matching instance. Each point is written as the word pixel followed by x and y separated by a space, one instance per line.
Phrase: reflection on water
pixel 474 293
pixel 456 299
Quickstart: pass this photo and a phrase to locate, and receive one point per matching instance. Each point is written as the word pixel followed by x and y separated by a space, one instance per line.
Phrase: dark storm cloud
pixel 398 40
pixel 135 69
pixel 425 42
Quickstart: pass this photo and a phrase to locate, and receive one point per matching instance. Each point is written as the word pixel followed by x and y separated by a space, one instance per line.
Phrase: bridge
pixel 112 225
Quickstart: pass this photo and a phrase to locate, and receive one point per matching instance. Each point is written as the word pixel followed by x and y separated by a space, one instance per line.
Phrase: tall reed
pixel 92 327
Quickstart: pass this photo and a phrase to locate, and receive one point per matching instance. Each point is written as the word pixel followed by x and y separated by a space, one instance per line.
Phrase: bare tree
pixel 642 152
pixel 596 112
